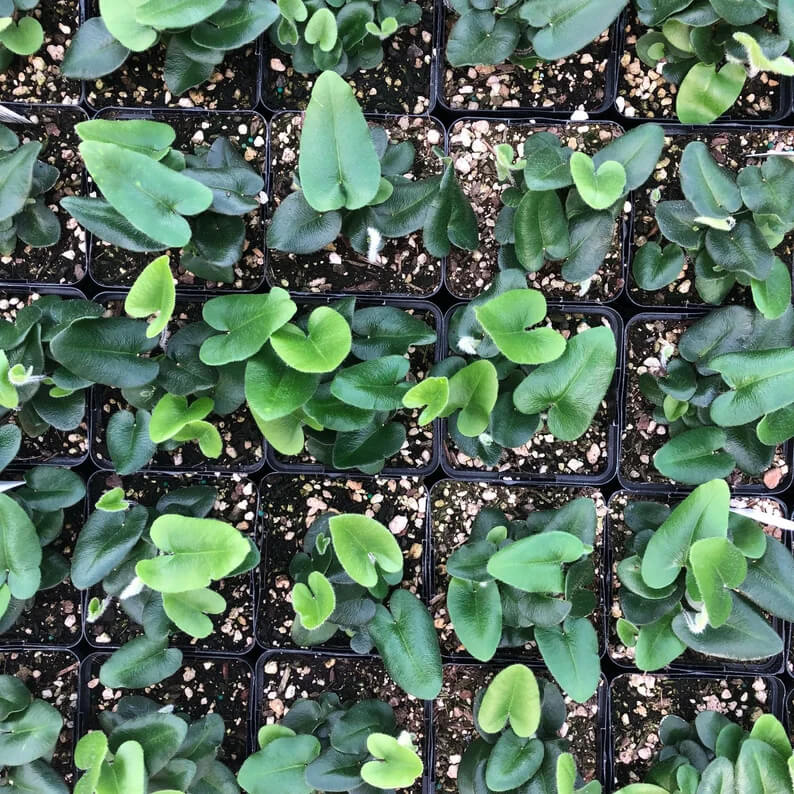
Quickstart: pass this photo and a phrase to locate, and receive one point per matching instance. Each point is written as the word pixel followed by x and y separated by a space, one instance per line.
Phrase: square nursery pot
pixel 404 82
pixel 55 447
pixel 453 724
pixel 139 81
pixel 419 454
pixel 731 146
pixel 403 269
pixel 282 677
pixel 201 685
pixel 471 146
pixel 290 504
pixel 638 702
pixel 64 263
pixel 643 93
pixel 619 535
pixel 641 437
pixel 111 267
pixel 590 460
pixel 453 507
pixel 37 78
pixel 53 675
pixel 243 445
pixel 237 504
pixel 585 81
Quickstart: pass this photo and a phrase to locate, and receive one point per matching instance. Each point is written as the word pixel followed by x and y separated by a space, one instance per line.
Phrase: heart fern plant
pixel 350 182
pixel 519 718
pixel 713 753
pixel 156 197
pixel 729 225
pixel 563 205
pixel 20 32
pixel 159 563
pixel 143 746
pixel 197 37
pixel 327 745
pixel 701 577
pixel 30 731
pixel 350 564
pixel 726 397
pixel 505 379
pixel 708 50
pixel 514 582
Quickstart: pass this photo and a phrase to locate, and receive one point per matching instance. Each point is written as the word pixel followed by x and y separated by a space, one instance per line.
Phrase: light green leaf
pixel 512 696
pixel 717 566
pixel 396 763
pixel 188 610
pixel 599 189
pixel 153 293
pixel 315 602
pixel 323 349
pixel 363 545
pixel 705 93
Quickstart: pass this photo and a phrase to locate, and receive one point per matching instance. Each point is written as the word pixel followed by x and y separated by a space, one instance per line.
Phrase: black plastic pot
pixel 98 483
pixel 489 244
pixel 255 242
pixel 687 708
pixel 547 497
pixel 781 110
pixel 298 262
pixel 686 663
pixel 444 101
pixel 511 475
pixel 659 482
pixel 279 464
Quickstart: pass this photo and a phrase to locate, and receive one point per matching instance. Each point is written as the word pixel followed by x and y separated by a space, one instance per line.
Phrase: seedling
pixel 515 582
pixel 518 719
pixel 326 745
pixel 539 373
pixel 700 577
pixel 159 563
pixel 155 197
pixel 712 753
pixel 350 181
pixel 197 37
pixel 728 225
pixel 343 37
pixel 726 397
pixel 20 33
pixel 562 205
pixel 144 746
pixel 349 566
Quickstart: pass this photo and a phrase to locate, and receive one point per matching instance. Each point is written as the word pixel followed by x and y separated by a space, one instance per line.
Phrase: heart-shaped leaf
pixel 23 38
pixel 397 764
pixel 30 734
pixel 374 385
pixel 598 188
pixel 512 696
pixel 188 610
pixel 655 267
pixel 315 602
pixel 280 766
pixel 363 545
pixel 20 551
pixel 705 93
pixel 695 456
pixel 432 393
pixel 717 566
pixel 322 349
pixel 513 761
pixel 473 390
pixel 153 293
pixel 570 652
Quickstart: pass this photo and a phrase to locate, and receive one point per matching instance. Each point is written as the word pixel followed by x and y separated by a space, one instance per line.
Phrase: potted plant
pixel 544 207
pixel 698 67
pixel 143 745
pixel 548 57
pixel 362 235
pixel 688 404
pixel 212 183
pixel 491 410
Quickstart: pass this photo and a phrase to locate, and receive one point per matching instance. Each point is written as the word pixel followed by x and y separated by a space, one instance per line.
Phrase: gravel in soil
pixel 199 687
pixel 454 506
pixel 644 94
pixel 291 677
pixel 290 506
pixel 732 149
pixel 650 344
pixel 400 84
pixel 471 147
pixel 247 131
pixel 639 702
pixel 453 724
pixel 403 266
pixel 235 504
pixel 620 536
pixel 53 677
pixel 543 455
pixel 37 78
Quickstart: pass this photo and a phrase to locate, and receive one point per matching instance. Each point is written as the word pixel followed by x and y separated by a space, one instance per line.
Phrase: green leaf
pixel 321 29
pixel 481 37
pixel 280 765
pixel 30 734
pixel 274 391
pixel 406 639
pixel 14 696
pixel 395 766
pixel 760 768
pixel 717 566
pixel 128 440
pixel 769 730
pixel 24 37
pixel 16 178
pixel 513 761
pixel 541 229
pixel 163 14
pixel 20 550
pixel 599 189
pixel 10 441
pixel 315 602
pixel 767 580
pixel 38 777
pixel 570 652
pixel 112 501
pixel 322 349
pixel 94 52
pixel 546 162
pixel 475 609
pixel 655 267
pixel 387 331
pixel 432 393
pixel 172 414
pixel 705 94
pixel 376 385
pixel 743 250
pixel 571 387
pixel 657 645
pixel 771 296
pixel 512 696
pixel 450 220
pixel 234 189
pixel 298 228
pixel 119 17
pixel 473 390
pixel 710 188
pixel 368 447
pixel 637 150
pixel 505 319
pixel 153 293
pixel 363 545
pixel 188 610
pixel 139 663
pixel 235 24
pixel 695 456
